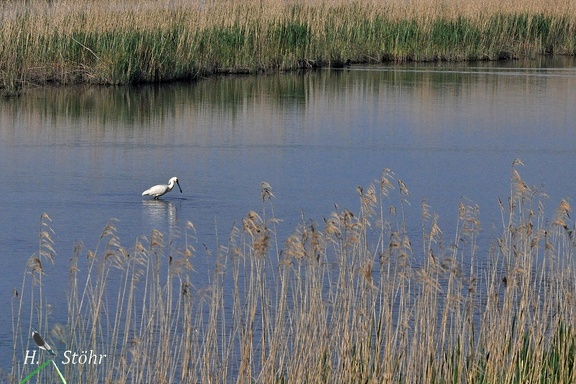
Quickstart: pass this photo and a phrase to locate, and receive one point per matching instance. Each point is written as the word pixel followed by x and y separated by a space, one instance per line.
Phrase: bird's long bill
pixel 177 182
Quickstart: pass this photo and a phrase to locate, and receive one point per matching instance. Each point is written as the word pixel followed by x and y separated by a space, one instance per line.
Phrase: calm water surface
pixel 83 155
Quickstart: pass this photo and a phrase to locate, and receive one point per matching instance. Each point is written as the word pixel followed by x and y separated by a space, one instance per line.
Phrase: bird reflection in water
pixel 159 213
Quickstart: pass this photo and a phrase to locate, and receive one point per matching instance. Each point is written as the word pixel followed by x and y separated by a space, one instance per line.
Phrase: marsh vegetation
pixel 150 41
pixel 354 298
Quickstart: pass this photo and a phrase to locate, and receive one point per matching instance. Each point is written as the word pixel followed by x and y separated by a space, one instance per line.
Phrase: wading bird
pixel 41 343
pixel 160 189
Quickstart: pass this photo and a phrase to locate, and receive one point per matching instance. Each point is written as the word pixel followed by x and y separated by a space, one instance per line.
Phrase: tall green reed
pixel 151 41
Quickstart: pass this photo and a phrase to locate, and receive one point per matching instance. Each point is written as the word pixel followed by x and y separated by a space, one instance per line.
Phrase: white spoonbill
pixel 160 189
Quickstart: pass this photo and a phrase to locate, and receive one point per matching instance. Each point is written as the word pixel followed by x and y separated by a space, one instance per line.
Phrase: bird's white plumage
pixel 160 189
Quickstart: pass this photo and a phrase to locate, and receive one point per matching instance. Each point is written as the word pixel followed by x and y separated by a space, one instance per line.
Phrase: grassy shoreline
pixel 151 41
pixel 352 299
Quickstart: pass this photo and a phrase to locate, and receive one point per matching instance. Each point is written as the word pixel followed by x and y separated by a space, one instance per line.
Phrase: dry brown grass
pixel 107 42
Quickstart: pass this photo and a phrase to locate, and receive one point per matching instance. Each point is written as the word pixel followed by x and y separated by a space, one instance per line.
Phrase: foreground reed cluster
pixel 108 42
pixel 354 298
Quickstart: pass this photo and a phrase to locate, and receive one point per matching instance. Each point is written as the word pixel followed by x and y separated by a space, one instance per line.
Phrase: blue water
pixel 83 155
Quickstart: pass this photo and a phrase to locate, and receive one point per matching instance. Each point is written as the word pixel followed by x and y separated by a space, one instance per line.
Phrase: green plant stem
pixel 41 367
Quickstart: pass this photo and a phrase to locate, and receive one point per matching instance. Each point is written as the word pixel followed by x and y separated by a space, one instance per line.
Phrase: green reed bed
pixel 353 298
pixel 148 40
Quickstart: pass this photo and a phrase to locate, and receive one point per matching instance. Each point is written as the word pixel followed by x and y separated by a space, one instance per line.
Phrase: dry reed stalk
pixel 352 301
pixel 107 42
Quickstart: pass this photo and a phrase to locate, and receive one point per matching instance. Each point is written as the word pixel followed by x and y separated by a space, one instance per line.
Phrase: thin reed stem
pixel 152 41
pixel 350 300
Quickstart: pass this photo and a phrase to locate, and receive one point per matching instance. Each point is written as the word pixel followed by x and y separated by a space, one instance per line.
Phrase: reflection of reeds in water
pixel 351 300
pixel 88 41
